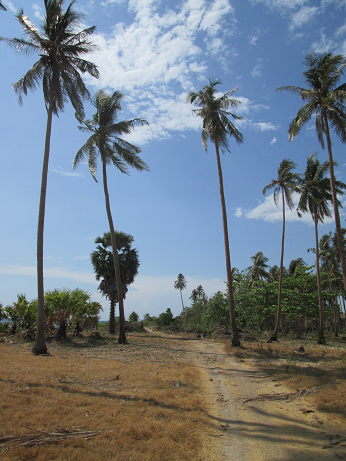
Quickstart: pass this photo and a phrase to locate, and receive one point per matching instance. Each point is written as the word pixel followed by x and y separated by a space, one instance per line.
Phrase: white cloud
pixel 325 44
pixel 273 141
pixel 59 170
pixel 302 16
pixel 281 5
pixel 253 40
pixel 238 212
pixel 265 126
pixel 158 50
pixel 9 5
pixel 257 70
pixel 53 272
pixel 268 211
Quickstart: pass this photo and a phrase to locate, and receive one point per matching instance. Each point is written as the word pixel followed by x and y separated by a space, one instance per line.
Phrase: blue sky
pixel 155 52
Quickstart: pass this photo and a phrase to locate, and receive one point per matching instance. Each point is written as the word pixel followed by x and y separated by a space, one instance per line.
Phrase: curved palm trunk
pixel 335 200
pixel 40 343
pixel 235 336
pixel 182 303
pixel 321 338
pixel 274 336
pixel 122 337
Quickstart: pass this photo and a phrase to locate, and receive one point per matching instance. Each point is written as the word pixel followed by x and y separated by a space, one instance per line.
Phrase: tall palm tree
pixel 105 141
pixel 258 268
pixel 315 197
pixel 325 100
pixel 103 264
pixel 180 284
pixel 216 127
pixel 59 45
pixel 285 184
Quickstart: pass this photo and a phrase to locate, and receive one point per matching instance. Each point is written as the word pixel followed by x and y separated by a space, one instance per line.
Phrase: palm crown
pixel 59 47
pixel 322 76
pixel 105 136
pixel 285 183
pixel 315 190
pixel 214 112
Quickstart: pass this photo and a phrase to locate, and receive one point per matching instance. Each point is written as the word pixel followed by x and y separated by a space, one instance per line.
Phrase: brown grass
pixel 317 366
pixel 142 415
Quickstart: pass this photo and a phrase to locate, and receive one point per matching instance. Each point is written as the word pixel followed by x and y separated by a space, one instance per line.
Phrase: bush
pixel 134 317
pixel 165 319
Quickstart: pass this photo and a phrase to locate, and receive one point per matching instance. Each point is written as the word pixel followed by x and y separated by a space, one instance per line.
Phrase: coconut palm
pixel 258 268
pixel 106 143
pixel 299 262
pixel 180 284
pixel 103 264
pixel 325 100
pixel 285 184
pixel 217 127
pixel 59 45
pixel 315 197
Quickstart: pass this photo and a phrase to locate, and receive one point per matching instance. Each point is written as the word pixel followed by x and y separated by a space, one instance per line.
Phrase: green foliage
pixel 22 314
pixel 133 317
pixel 165 319
pixel 217 311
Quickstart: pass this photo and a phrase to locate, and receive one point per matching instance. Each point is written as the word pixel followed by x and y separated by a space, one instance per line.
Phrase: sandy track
pixel 260 430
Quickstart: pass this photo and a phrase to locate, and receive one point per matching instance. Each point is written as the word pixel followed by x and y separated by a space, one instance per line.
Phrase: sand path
pixel 258 430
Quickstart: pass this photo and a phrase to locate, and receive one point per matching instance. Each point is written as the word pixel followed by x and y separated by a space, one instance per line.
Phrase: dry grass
pixel 317 366
pixel 126 392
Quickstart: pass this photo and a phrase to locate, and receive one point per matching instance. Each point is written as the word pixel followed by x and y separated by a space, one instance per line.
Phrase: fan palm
pixel 105 141
pixel 59 46
pixel 325 100
pixel 285 184
pixel 103 264
pixel 216 127
pixel 315 197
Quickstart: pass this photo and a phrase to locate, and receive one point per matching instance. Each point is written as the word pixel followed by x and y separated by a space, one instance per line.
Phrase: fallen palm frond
pixel 42 437
pixel 290 396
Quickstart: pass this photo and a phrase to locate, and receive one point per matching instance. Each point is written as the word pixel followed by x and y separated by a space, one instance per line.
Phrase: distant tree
pixel 274 274
pixel 315 197
pixel 216 127
pixel 59 46
pixel 103 264
pixel 165 319
pixel 324 100
pixel 180 284
pixel 285 184
pixel 258 268
pixel 105 140
pixel 133 317
pixel 294 264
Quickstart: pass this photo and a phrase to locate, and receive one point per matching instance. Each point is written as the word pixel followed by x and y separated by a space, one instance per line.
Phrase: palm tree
pixel 2 7
pixel 58 68
pixel 326 101
pixel 258 268
pixel 299 262
pixel 286 185
pixel 316 192
pixel 106 142
pixel 180 284
pixel 103 264
pixel 216 127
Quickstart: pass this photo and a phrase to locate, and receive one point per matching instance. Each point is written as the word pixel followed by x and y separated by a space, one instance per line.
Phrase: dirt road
pixel 258 430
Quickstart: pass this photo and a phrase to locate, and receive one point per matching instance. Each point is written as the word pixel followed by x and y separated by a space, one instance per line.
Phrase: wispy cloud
pixel 53 272
pixel 59 170
pixel 266 126
pixel 266 210
pixel 257 70
pixel 273 141
pixel 9 5
pixel 303 16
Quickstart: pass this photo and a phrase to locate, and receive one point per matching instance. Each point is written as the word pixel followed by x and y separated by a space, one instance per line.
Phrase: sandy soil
pixel 258 430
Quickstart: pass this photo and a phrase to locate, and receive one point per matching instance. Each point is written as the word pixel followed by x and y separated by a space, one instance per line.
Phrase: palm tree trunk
pixel 275 333
pixel 321 338
pixel 40 343
pixel 182 303
pixel 112 318
pixel 122 337
pixel 235 336
pixel 335 200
